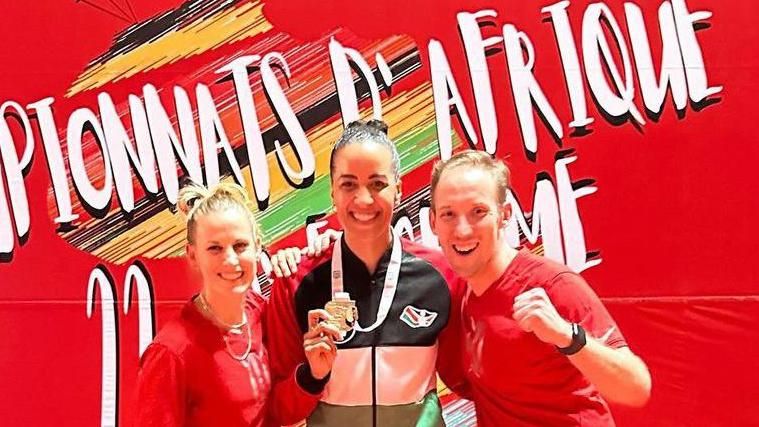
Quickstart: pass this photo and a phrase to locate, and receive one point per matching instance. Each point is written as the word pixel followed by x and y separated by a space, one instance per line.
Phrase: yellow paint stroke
pixel 200 36
pixel 163 235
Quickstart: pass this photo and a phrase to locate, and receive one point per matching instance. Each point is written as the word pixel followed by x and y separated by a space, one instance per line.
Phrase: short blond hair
pixel 195 200
pixel 473 159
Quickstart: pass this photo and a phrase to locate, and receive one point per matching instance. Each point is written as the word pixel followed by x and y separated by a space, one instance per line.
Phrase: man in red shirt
pixel 541 349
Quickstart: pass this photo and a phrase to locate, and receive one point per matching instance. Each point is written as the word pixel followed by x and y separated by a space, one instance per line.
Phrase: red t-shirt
pixel 189 378
pixel 514 378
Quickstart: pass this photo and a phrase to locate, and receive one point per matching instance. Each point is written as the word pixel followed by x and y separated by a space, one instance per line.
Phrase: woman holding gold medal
pixel 390 297
pixel 210 366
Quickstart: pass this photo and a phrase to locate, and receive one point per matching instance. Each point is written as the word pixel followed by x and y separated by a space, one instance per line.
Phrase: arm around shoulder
pixel 451 344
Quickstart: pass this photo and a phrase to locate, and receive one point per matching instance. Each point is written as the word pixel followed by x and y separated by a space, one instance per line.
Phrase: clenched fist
pixel 534 312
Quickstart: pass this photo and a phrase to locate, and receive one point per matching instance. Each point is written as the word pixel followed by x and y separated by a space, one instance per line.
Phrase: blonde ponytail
pixel 195 200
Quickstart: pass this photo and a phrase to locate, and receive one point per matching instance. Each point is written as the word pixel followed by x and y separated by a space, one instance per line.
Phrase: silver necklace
pixel 244 356
pixel 236 328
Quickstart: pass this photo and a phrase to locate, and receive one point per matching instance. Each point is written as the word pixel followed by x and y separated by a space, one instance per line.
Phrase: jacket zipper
pixel 374 386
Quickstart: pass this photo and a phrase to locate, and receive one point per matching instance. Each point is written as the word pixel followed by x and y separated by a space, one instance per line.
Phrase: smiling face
pixel 364 189
pixel 468 221
pixel 224 251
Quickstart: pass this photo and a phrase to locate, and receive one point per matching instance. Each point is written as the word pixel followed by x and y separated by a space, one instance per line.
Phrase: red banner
pixel 622 123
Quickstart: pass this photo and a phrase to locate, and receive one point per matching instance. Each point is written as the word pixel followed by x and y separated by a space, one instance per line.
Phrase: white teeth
pixel 465 249
pixel 364 217
pixel 231 276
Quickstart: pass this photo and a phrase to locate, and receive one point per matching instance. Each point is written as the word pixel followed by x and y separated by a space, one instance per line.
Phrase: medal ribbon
pixel 388 290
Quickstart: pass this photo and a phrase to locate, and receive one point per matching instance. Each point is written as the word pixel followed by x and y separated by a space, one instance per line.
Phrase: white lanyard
pixel 388 291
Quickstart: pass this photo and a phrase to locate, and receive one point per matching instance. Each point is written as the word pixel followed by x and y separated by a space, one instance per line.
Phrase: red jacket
pixel 188 377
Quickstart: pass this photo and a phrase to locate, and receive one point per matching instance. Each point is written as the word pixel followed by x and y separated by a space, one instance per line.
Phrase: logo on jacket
pixel 418 317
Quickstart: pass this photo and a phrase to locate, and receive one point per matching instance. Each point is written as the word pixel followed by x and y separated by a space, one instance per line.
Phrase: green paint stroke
pixel 288 214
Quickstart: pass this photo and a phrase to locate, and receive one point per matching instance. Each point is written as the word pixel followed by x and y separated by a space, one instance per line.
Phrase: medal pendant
pixel 343 311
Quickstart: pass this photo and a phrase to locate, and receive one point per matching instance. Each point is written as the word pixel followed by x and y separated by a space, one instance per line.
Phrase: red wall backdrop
pixel 665 201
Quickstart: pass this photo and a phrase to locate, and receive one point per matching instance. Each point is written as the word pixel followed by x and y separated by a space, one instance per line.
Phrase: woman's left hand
pixel 285 262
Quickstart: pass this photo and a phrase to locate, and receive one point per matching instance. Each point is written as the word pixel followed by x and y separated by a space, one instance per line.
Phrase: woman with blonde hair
pixel 210 366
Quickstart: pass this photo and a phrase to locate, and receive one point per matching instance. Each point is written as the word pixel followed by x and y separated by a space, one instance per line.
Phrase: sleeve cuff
pixel 306 380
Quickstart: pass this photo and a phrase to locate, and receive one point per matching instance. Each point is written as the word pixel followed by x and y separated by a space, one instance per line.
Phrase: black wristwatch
pixel 578 341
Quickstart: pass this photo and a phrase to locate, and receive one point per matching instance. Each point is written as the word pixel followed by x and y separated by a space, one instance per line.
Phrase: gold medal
pixel 343 311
